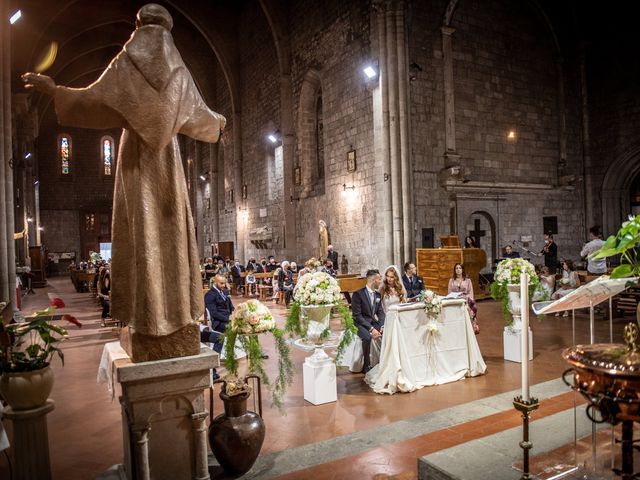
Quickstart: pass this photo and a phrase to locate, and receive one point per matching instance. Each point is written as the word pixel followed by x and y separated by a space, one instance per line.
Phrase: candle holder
pixel 525 407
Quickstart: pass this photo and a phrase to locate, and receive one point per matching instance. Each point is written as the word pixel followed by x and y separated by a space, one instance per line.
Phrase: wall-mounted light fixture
pixel 41 229
pixel 15 17
pixel 511 135
pixel 414 70
pixel 36 182
pixel 350 187
pixel 274 137
pixel 387 177
pixel 30 219
pixel 293 199
pixel 27 156
pixel 371 71
pixel 244 191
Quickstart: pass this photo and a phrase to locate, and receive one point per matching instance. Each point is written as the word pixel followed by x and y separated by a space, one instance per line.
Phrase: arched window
pixel 64 153
pixel 106 154
pixel 319 135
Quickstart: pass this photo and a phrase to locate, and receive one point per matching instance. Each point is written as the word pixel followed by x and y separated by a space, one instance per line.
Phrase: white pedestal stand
pixel 163 416
pixel 319 378
pixel 513 346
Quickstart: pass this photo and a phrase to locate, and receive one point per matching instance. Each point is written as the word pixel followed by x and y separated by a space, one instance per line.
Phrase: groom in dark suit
pixel 218 303
pixel 368 314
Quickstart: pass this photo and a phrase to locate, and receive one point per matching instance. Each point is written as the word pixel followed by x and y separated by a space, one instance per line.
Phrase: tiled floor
pixel 85 427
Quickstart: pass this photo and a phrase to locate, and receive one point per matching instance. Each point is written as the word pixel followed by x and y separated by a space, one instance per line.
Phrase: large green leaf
pixel 622 271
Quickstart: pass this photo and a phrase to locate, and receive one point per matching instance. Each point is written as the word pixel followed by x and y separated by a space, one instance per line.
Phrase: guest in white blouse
pixel 568 283
pixel 392 289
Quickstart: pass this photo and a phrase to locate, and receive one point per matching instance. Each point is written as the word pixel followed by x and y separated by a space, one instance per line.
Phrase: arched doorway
pixel 621 190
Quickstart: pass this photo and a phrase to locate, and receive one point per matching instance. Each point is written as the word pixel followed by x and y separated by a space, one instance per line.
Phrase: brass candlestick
pixel 525 407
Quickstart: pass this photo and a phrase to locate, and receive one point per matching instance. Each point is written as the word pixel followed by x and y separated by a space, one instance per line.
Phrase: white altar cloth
pixel 111 352
pixel 410 360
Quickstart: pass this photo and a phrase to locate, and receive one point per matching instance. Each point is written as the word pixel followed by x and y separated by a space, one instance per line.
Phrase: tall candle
pixel 524 336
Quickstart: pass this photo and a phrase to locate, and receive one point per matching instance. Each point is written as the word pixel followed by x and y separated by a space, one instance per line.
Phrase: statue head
pixel 154 14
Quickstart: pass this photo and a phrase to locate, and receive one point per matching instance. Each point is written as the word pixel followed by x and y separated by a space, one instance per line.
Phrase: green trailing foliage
pixel 251 345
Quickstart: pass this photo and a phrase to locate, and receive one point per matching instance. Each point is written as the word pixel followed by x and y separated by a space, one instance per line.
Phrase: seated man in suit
pixel 236 275
pixel 413 284
pixel 218 303
pixel 368 314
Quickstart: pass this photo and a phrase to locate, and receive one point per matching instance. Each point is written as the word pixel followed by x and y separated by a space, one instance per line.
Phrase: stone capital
pixel 447 30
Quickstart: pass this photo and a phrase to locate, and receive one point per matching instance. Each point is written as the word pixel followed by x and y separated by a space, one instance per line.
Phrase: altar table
pixel 412 356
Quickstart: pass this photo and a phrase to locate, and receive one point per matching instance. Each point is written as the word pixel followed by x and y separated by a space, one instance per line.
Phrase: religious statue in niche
pixel 344 265
pixel 323 239
pixel 148 92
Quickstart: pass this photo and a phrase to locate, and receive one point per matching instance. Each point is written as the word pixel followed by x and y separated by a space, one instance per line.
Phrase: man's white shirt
pixel 589 249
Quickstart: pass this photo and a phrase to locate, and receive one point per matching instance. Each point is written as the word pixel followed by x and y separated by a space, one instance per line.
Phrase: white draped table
pixel 412 356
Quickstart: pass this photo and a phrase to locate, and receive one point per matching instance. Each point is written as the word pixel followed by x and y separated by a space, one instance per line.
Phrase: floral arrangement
pixel 508 273
pixel 30 345
pixel 432 302
pixel 319 288
pixel 247 321
pixel 251 317
pixel 94 257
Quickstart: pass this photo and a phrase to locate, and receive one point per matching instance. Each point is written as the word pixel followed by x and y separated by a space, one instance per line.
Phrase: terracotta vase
pixel 236 436
pixel 27 390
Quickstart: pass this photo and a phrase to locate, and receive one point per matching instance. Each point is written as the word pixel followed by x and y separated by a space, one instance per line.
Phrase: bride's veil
pixel 404 290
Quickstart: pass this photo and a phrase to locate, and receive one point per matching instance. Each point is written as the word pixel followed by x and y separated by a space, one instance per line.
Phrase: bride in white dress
pixel 392 290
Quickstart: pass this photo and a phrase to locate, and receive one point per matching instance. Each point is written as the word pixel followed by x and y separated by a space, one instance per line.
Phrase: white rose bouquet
pixel 317 288
pixel 432 302
pixel 508 273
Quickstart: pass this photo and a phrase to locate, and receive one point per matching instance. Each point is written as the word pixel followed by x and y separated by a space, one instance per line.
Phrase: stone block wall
pixel 61 231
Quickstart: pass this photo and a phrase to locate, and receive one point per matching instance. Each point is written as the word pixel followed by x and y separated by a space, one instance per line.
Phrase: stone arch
pixel 312 178
pixel 620 175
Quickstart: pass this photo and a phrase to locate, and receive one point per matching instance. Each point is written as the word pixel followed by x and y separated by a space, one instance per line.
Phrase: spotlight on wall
pixel 36 182
pixel 27 156
pixel 274 137
pixel 15 17
pixel 204 176
pixel 370 71
pixel 30 219
pixel 41 229
pixel 511 135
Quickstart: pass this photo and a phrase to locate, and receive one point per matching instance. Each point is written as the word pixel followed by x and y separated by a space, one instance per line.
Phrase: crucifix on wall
pixel 476 233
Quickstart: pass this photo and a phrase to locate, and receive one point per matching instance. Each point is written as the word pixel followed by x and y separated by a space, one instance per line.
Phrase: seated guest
pixel 568 283
pixel 236 275
pixel 368 315
pixel 272 265
pixel 309 267
pixel 218 304
pixel 509 253
pixel 285 282
pixel 294 267
pixel 252 263
pixel 547 280
pixel 223 269
pixel 412 282
pixel 469 242
pixel 210 269
pixel 460 283
pixel 251 281
pixel 262 266
pixel 274 283
pixel 328 268
pixel 595 267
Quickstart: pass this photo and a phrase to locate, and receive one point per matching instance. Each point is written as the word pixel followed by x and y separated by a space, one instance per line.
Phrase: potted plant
pixel 315 296
pixel 26 350
pixel 506 288
pixel 236 436
pixel 624 244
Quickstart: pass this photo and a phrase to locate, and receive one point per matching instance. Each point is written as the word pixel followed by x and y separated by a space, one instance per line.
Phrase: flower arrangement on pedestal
pixel 506 286
pixel 315 295
pixel 247 321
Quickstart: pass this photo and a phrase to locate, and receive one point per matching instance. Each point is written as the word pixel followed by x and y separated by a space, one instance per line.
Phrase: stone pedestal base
pixel 513 346
pixel 319 378
pixel 163 416
pixel 145 348
pixel 30 442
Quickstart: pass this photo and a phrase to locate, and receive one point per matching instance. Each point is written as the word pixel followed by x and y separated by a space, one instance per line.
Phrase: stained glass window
pixel 107 155
pixel 64 152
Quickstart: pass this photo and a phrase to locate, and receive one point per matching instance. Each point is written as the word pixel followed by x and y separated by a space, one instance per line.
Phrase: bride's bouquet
pixel 432 302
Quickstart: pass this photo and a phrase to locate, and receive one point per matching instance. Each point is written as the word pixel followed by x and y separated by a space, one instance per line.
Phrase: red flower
pixel 57 302
pixel 71 319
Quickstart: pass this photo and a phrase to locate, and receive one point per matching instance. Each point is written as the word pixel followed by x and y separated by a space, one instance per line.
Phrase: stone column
pixel 451 155
pixel 200 439
pixel 588 188
pixel 238 181
pixel 288 149
pixel 30 443
pixel 141 450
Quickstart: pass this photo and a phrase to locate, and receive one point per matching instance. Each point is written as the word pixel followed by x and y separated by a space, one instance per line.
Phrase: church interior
pixel 390 130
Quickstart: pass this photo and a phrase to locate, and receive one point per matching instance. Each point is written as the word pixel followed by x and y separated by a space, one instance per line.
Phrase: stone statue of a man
pixel 148 91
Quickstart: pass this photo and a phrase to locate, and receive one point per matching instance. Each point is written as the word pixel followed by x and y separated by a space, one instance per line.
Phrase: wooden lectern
pixel 435 265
